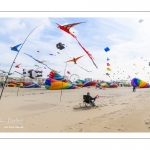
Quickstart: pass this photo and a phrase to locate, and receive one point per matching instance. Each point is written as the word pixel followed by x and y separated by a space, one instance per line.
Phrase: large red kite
pixel 66 29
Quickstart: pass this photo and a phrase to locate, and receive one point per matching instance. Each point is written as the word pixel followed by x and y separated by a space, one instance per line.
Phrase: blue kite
pixel 108 59
pixel 106 49
pixel 15 48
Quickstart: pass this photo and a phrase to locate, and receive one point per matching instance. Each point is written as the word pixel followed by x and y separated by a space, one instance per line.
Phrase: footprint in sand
pixel 106 127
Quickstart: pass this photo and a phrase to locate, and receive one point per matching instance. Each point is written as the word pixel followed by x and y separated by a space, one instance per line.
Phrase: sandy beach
pixel 40 110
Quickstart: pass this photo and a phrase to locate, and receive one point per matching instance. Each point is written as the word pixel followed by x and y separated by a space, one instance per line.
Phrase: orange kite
pixel 74 60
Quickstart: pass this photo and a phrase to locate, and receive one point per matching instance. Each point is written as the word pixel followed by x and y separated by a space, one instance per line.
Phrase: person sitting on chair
pixel 92 99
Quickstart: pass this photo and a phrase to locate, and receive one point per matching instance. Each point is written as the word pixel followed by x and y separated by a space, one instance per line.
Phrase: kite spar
pixel 16 57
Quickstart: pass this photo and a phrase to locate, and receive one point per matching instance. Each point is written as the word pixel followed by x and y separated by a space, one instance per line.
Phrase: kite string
pixel 15 59
pixel 62 81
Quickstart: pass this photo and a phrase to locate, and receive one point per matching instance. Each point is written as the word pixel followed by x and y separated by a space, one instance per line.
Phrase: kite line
pixel 15 59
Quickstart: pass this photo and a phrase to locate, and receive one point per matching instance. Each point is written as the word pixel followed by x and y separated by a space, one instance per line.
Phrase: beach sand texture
pixel 40 110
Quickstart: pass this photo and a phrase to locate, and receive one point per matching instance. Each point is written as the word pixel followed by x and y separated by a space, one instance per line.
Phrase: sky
pixel 127 39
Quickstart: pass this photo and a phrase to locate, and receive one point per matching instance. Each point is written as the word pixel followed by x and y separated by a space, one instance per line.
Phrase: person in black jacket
pixel 134 88
pixel 92 99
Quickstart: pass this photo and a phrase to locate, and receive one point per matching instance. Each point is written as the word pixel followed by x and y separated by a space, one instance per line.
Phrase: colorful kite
pixel 15 48
pixel 139 83
pixel 67 27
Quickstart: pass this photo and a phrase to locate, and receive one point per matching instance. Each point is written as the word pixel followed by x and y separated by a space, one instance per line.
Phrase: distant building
pixel 88 79
pixel 2 77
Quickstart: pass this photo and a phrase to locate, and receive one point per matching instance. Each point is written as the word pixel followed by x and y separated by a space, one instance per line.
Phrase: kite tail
pixel 84 69
pixel 87 53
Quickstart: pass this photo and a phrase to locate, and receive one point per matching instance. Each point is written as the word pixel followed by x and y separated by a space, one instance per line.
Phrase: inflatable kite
pixel 54 75
pixel 32 73
pixel 109 85
pixel 31 85
pixel 83 83
pixel 80 83
pixel 89 83
pixel 52 84
pixel 139 83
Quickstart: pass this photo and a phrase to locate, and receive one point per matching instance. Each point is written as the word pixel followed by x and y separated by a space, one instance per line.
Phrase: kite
pixel 149 63
pixel 74 59
pixel 44 61
pixel 58 52
pixel 139 83
pixel 108 64
pixel 3 71
pixel 38 61
pixel 84 69
pixel 68 72
pixel 36 65
pixel 108 69
pixel 38 51
pixel 141 20
pixel 60 46
pixel 91 57
pixel 67 27
pixel 17 66
pixel 31 73
pixel 107 74
pixel 108 59
pixel 44 67
pixel 52 54
pixel 15 48
pixel 134 64
pixel 106 49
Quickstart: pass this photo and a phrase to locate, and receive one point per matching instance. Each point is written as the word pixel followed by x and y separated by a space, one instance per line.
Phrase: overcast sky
pixel 127 39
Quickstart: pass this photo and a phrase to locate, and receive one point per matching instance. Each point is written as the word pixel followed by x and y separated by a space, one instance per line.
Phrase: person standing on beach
pixel 134 88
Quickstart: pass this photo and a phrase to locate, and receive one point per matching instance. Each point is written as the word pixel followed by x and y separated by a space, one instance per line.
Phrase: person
pixel 134 88
pixel 92 99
